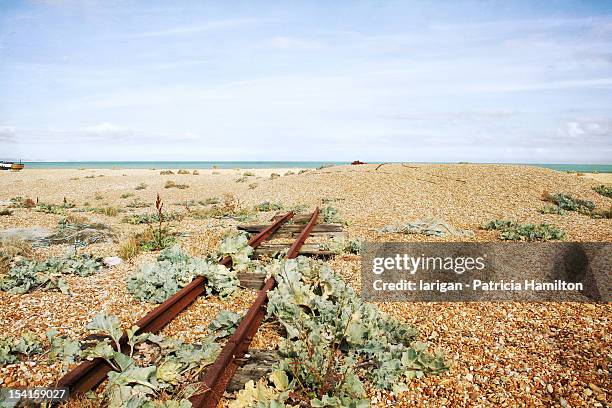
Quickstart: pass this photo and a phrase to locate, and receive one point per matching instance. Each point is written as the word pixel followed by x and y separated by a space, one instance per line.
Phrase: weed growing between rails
pixel 334 342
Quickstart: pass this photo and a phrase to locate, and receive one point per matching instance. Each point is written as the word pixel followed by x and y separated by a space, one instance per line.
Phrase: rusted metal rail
pixel 89 374
pixel 219 374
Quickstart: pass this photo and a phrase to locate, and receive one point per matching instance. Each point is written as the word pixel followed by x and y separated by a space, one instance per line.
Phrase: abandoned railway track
pixel 90 374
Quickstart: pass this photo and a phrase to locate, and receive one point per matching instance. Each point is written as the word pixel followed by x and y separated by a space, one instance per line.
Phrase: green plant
pixel 567 202
pixel 268 206
pixel 108 211
pixel 339 245
pixel 158 238
pixel 136 219
pixel 138 204
pixel 332 215
pixel 248 174
pixel 253 186
pixel 53 208
pixel 182 171
pixel 513 231
pixel 289 173
pixel 330 332
pixel 140 186
pixel 605 191
pixel 98 196
pixel 223 325
pixel 241 179
pixel 127 195
pixel 552 209
pixel 28 275
pixel 12 249
pixel 11 348
pixel 172 184
pixel 20 202
pixel 274 176
pixel 130 248
pixel 155 282
pixel 166 172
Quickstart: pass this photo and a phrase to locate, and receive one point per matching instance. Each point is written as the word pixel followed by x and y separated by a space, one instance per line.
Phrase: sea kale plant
pixel 513 231
pixel 605 191
pixel 12 348
pixel 334 341
pixel 174 269
pixel 29 275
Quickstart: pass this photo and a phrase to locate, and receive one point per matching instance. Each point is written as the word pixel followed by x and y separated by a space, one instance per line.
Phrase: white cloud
pixel 7 134
pixel 204 27
pixel 292 43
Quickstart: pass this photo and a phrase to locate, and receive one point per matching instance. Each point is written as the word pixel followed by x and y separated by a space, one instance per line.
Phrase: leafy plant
pixel 140 186
pixel 605 191
pixel 108 211
pixel 174 269
pixel 567 202
pixel 332 215
pixel 330 333
pixel 127 195
pixel 241 179
pixel 11 348
pixel 224 324
pixel 513 231
pixel 183 171
pixel 31 275
pixel 274 176
pixel 20 202
pixel 137 219
pixel 172 184
pixel 53 208
pixel 12 249
pixel 268 206
pixel 339 245
pixel 248 174
pixel 552 209
pixel 160 238
pixel 166 172
pixel 138 204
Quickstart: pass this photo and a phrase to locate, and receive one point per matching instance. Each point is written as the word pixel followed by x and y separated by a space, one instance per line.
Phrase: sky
pixel 444 81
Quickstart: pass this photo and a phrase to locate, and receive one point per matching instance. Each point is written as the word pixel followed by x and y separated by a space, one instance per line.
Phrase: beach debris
pixel 429 226
pixel 513 231
pixel 357 162
pixel 110 261
pixel 77 231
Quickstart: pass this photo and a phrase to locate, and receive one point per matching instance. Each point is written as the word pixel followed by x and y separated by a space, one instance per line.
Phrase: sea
pixel 582 168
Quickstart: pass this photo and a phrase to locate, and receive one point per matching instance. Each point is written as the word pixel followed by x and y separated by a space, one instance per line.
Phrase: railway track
pixel 89 374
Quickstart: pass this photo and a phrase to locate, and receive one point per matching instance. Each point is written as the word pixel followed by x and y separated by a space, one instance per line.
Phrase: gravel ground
pixel 508 354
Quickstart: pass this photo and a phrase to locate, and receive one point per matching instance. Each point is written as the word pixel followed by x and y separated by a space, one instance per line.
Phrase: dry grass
pixel 108 211
pixel 172 184
pixel 9 249
pixel 130 248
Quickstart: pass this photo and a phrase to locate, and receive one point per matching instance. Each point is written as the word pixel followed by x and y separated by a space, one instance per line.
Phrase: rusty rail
pixel 89 374
pixel 219 374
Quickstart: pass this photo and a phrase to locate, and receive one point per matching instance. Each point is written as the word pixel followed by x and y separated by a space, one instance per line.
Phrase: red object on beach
pixel 357 162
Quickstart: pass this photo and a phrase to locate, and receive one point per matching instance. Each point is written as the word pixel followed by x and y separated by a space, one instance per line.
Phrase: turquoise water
pixel 584 168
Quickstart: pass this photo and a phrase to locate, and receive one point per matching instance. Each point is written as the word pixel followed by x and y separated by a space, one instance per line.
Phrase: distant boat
pixel 5 165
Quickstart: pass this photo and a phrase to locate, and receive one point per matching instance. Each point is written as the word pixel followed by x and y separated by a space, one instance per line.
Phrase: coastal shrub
pixel 241 179
pixel 13 348
pixel 98 196
pixel 329 332
pixel 166 172
pixel 325 166
pixel 12 249
pixel 195 173
pixel 229 208
pixel 339 245
pixel 605 191
pixel 140 186
pixel 154 366
pixel 127 195
pixel 513 231
pixel 248 174
pixel 20 202
pixel 253 186
pixel 274 176
pixel 172 184
pixel 90 177
pixel 5 211
pixel 183 171
pixel 108 211
pixel 137 203
pixel 137 219
pixel 209 201
pixel 268 206
pixel 53 208
pixel 174 269
pixel 29 275
pixel 552 209
pixel 289 173
pixel 567 202
pixel 331 215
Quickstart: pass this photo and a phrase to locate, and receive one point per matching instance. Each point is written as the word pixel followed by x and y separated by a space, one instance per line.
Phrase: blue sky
pixel 373 80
